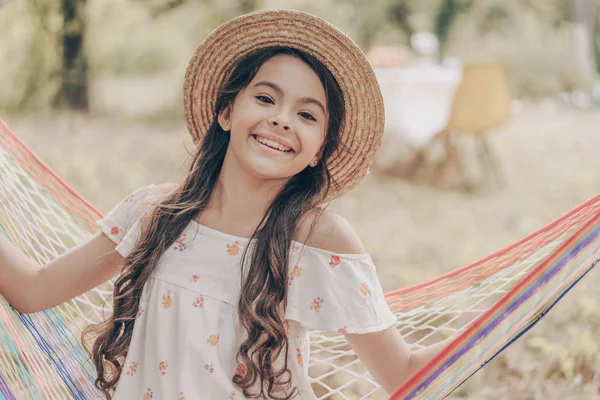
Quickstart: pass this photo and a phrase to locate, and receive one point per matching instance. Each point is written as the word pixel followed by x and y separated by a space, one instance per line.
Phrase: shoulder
pixel 154 193
pixel 166 189
pixel 149 197
pixel 326 230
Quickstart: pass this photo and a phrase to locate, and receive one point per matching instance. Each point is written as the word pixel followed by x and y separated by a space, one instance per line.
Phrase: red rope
pixel 46 177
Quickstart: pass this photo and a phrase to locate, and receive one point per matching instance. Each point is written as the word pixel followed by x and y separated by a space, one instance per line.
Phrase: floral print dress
pixel 186 334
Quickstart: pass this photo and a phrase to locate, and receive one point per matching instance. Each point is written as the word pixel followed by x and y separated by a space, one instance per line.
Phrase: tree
pixel 448 12
pixel 74 88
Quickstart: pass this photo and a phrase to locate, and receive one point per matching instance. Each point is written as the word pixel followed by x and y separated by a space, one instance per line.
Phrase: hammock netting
pixel 485 305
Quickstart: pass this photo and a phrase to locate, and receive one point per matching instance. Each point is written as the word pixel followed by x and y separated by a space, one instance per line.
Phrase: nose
pixel 280 120
pixel 285 127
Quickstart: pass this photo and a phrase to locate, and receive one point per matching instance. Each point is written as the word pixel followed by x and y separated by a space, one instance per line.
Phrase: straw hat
pixel 215 58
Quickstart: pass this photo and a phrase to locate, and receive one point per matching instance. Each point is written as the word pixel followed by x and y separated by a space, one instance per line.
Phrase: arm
pixel 385 354
pixel 29 288
pixel 389 359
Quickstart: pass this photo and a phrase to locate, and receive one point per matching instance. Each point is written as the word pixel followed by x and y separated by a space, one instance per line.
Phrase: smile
pixel 272 144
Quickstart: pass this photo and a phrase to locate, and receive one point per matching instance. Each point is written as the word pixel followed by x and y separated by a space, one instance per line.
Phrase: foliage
pixel 161 35
pixel 28 39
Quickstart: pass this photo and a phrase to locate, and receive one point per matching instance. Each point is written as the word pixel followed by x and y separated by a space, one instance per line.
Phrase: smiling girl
pixel 221 278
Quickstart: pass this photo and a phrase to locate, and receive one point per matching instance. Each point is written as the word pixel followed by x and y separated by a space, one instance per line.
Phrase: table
pixel 418 100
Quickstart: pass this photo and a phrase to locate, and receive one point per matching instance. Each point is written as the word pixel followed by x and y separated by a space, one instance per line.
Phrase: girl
pixel 221 277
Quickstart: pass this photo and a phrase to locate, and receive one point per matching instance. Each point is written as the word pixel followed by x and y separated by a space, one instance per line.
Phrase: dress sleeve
pixel 122 223
pixel 336 293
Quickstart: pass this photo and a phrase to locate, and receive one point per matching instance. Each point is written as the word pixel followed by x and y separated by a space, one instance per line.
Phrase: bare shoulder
pixel 326 230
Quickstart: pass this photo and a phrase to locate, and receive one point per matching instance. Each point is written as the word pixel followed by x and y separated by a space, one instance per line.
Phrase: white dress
pixel 186 334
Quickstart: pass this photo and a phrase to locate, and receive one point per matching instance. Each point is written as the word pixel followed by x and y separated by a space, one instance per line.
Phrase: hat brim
pixel 217 55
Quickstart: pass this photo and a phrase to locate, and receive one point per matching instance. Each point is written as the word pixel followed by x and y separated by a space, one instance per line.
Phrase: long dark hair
pixel 263 295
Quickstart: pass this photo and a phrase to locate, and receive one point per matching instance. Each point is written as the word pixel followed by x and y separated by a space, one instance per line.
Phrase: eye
pixel 265 99
pixel 307 116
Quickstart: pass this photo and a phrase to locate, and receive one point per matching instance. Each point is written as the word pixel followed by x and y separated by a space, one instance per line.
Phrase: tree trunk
pixel 74 88
pixel 447 15
pixel 583 24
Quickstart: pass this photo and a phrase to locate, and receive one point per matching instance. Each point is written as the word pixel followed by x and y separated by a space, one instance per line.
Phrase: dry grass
pixel 415 232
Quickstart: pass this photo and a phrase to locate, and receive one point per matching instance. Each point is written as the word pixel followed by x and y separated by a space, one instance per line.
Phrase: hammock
pixel 486 305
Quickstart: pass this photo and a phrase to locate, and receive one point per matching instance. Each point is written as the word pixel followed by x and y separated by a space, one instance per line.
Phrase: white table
pixel 418 100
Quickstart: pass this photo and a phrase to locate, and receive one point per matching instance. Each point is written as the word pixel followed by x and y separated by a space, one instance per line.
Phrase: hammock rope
pixel 487 305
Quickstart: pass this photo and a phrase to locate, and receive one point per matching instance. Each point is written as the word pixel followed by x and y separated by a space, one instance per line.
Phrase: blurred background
pixel 492 131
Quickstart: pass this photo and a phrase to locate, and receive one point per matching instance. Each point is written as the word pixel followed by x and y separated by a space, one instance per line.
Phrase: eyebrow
pixel 276 88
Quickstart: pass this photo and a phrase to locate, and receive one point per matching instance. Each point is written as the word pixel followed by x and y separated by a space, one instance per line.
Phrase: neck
pixel 239 201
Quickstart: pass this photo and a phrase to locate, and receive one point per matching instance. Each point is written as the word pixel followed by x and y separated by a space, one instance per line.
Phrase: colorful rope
pixel 501 296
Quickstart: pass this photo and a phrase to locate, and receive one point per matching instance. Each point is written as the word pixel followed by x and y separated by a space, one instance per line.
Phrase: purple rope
pixel 496 321
pixel 5 390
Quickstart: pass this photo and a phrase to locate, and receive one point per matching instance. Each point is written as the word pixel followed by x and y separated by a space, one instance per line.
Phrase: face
pixel 278 122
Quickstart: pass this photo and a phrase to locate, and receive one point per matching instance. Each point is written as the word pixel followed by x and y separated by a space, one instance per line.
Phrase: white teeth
pixel 271 143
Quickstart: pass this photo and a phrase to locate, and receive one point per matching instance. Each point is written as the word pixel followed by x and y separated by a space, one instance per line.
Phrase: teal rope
pixel 470 364
pixel 65 333
pixel 23 370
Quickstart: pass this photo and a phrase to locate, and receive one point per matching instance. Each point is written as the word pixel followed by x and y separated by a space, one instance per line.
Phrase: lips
pixel 273 144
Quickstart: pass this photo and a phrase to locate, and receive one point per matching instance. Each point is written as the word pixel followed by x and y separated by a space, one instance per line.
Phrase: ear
pixel 224 118
pixel 316 159
pixel 318 156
